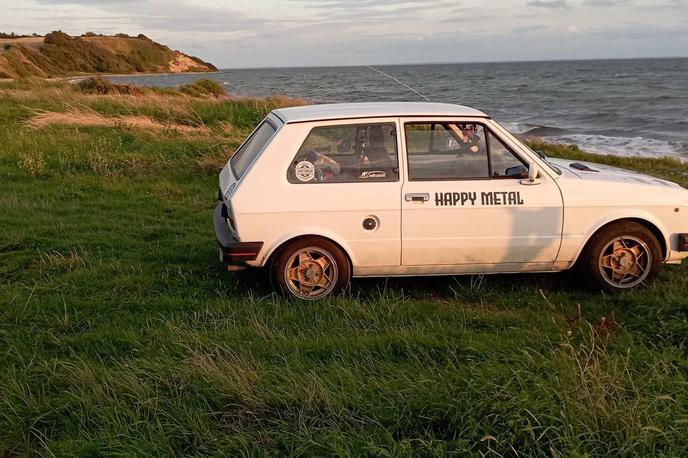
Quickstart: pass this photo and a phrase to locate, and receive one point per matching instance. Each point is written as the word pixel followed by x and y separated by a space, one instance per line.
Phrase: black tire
pixel 327 264
pixel 621 256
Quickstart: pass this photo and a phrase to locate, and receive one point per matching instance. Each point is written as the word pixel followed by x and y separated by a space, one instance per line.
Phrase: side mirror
pixel 533 175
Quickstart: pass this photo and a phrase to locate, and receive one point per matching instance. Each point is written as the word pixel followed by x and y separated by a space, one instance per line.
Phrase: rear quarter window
pixel 347 154
pixel 251 149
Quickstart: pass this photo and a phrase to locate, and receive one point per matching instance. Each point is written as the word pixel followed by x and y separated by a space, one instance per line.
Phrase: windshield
pixel 249 151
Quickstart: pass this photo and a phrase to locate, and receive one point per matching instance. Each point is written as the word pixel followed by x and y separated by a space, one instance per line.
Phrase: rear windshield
pixel 251 148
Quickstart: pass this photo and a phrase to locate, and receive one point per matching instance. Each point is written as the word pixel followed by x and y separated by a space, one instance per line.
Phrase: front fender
pixel 621 215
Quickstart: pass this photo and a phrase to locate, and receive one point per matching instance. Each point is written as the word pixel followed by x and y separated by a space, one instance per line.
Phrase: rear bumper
pixel 232 251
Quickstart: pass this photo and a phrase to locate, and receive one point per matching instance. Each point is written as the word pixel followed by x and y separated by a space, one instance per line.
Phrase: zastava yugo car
pixel 319 194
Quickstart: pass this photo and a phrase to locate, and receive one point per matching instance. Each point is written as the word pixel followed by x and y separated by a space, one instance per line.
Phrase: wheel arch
pixel 653 226
pixel 275 247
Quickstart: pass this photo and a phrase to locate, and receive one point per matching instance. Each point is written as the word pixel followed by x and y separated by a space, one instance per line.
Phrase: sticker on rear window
pixel 304 171
pixel 373 174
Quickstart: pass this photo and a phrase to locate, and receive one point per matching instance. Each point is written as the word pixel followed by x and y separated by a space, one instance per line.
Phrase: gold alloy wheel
pixel 625 262
pixel 311 273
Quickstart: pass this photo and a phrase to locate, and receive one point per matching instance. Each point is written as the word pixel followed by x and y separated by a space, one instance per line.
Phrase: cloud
pixel 549 4
pixel 605 3
pixel 528 29
pixel 175 15
pixel 373 11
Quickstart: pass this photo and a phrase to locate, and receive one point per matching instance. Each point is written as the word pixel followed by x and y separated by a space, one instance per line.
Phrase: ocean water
pixel 635 107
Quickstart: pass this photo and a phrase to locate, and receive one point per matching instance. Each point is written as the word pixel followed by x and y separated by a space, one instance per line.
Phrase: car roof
pixel 334 111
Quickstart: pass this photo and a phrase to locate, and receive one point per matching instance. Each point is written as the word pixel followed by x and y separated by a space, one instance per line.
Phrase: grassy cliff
pixel 121 334
pixel 58 54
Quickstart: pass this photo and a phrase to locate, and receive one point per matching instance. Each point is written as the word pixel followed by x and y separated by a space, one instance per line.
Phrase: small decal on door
pixel 485 199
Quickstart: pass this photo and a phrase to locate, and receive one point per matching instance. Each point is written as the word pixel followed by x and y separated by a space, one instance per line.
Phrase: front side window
pixel 446 151
pixel 458 151
pixel 346 154
pixel 250 150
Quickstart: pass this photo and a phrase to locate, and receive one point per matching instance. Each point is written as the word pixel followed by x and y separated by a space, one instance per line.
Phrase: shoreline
pixel 77 78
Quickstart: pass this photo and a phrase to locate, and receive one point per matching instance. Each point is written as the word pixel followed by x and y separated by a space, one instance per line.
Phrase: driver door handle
pixel 417 197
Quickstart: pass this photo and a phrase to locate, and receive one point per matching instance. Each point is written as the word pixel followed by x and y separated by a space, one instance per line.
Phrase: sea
pixel 630 107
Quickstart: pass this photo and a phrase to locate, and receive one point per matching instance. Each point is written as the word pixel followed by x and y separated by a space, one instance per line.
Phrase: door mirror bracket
pixel 533 175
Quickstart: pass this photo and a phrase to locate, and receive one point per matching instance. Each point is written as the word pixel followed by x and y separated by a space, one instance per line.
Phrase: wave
pixel 605 142
pixel 624 146
pixel 534 130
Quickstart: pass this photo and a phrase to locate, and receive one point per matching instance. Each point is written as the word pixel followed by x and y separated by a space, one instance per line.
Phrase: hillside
pixel 57 54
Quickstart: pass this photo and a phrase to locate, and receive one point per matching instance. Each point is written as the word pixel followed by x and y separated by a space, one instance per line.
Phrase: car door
pixel 466 201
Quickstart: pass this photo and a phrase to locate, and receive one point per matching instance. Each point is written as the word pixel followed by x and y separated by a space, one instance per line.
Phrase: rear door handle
pixel 417 197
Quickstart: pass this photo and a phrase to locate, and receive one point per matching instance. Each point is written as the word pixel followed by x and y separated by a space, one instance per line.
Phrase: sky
pixel 288 33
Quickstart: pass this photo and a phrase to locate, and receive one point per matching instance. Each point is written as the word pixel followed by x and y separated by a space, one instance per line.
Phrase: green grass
pixel 121 335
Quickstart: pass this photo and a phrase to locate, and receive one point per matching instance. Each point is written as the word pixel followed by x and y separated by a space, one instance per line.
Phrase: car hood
pixel 590 171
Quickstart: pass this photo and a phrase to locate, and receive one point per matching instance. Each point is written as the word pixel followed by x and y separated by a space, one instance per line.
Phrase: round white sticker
pixel 305 171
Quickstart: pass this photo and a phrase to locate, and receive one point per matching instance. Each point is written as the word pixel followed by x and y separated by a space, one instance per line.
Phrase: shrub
pixel 96 85
pixel 100 86
pixel 203 88
pixel 58 38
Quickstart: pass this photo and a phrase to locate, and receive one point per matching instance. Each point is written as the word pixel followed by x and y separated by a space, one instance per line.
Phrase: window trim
pixel 486 129
pixel 397 168
pixel 259 153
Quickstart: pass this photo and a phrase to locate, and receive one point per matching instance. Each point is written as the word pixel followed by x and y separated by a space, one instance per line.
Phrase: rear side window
pixel 347 154
pixel 249 151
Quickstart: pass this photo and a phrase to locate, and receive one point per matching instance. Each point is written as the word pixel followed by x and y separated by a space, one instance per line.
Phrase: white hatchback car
pixel 319 194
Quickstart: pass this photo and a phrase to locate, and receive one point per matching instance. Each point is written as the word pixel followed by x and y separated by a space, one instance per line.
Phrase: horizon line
pixel 525 61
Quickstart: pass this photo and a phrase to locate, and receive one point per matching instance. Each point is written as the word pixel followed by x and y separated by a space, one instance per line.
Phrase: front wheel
pixel 310 268
pixel 623 256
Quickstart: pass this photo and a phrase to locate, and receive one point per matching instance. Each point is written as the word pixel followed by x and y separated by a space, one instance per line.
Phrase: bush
pixel 101 86
pixel 58 38
pixel 96 85
pixel 203 88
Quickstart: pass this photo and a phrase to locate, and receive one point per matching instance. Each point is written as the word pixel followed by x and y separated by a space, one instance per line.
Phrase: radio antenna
pixel 396 80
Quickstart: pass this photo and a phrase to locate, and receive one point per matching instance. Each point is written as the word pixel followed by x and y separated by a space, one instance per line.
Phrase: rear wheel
pixel 310 268
pixel 623 256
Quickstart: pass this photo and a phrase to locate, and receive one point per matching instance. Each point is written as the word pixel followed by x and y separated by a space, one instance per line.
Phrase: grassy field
pixel 120 334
